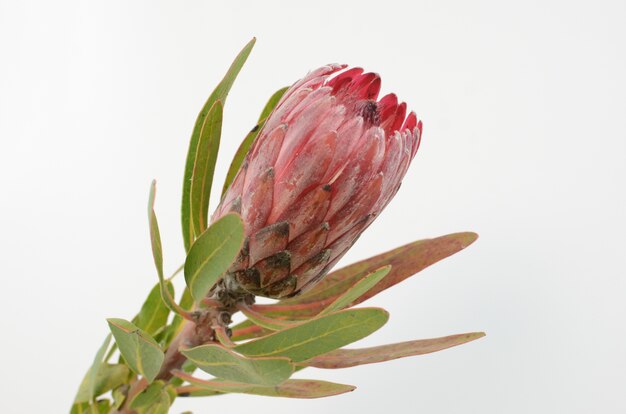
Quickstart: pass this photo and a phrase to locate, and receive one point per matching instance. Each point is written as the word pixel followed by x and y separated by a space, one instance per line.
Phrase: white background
pixel 523 106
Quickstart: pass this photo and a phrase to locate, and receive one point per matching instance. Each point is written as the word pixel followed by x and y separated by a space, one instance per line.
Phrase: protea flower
pixel 327 161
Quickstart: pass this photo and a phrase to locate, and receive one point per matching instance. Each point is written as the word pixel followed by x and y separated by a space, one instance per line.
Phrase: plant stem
pixel 197 331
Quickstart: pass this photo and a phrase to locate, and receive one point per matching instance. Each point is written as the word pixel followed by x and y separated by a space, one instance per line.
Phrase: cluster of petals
pixel 328 159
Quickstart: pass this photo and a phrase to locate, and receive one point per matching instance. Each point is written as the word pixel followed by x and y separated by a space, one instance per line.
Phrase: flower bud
pixel 328 159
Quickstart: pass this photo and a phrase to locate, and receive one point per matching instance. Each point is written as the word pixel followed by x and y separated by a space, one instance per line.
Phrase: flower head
pixel 328 159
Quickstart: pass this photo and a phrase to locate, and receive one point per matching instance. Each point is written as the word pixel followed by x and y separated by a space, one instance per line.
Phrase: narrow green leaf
pixel 220 93
pixel 358 289
pixel 155 234
pixel 294 388
pixel 212 254
pixel 204 167
pixel 152 316
pixel 87 390
pixel 317 336
pixel 157 252
pixel 139 349
pixel 245 145
pixel 345 358
pixel 224 363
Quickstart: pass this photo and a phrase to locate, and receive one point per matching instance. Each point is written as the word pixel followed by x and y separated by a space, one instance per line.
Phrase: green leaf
pixel 80 408
pixel 148 396
pixel 345 358
pixel 101 407
pixel 212 254
pixel 139 349
pixel 204 167
pixel 224 363
pixel 119 395
pixel 155 399
pixel 317 336
pixel 294 388
pixel 89 385
pixel 98 407
pixel 153 314
pixel 108 376
pixel 220 93
pixel 186 303
pixel 245 145
pixel 157 252
pixel 357 290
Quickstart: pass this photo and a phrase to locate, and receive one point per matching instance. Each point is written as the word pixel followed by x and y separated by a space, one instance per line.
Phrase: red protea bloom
pixel 327 161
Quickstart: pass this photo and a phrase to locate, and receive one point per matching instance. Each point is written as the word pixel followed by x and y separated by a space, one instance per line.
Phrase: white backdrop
pixel 523 106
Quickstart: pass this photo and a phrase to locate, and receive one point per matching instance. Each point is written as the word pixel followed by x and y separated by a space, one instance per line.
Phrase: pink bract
pixel 329 158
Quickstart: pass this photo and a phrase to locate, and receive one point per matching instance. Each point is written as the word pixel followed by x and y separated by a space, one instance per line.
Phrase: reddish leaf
pixel 293 388
pixel 345 358
pixel 406 261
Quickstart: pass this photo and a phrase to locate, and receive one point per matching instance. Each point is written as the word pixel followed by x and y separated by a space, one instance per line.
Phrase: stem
pixel 197 330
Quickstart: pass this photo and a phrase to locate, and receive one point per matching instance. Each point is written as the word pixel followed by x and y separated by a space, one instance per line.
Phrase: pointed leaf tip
pixel 345 358
pixel 219 93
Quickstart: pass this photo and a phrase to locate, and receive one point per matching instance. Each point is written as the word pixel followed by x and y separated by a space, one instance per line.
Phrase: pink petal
pixel 280 289
pixel 311 268
pixel 274 268
pixel 256 202
pixel 362 164
pixel 280 113
pixel 306 211
pixel 301 130
pixel 312 80
pixel 355 209
pixel 268 240
pixel 263 156
pixel 343 243
pixel 348 135
pixel 306 245
pixel 410 122
pixel 393 154
pixel 233 192
pixel 417 135
pixel 399 120
pixel 305 170
pixel 360 87
pixel 342 80
pixel 387 106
